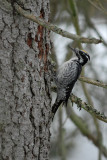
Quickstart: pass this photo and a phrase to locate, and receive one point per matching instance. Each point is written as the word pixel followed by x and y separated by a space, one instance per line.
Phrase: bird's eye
pixel 81 52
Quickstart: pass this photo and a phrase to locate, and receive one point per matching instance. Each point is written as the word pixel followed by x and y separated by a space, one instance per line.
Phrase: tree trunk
pixel 24 84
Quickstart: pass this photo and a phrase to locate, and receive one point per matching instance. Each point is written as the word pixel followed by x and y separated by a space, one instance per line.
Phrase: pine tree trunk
pixel 24 84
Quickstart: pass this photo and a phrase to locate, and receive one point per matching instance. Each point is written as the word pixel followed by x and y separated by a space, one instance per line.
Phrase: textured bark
pixel 24 84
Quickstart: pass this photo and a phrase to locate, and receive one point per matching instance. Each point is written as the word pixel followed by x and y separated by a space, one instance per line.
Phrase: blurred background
pixel 87 18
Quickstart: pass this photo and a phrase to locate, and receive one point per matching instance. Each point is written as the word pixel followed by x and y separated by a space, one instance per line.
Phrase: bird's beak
pixel 73 49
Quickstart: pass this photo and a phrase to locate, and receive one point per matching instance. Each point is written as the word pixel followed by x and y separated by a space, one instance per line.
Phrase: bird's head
pixel 82 55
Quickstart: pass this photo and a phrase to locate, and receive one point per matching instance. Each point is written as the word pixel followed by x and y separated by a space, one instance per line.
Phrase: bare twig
pixel 90 81
pixel 55 28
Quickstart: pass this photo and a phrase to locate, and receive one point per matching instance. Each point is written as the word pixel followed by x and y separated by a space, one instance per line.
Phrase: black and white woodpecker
pixel 67 75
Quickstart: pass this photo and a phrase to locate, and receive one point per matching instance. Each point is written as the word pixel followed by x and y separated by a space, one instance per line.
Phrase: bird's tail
pixel 56 106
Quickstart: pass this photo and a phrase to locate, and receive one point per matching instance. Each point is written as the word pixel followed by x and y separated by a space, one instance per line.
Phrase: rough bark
pixel 24 84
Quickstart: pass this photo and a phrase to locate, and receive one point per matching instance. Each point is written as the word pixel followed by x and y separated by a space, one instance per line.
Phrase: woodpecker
pixel 67 75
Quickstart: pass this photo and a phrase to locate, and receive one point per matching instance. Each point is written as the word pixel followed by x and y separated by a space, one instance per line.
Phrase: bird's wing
pixel 68 73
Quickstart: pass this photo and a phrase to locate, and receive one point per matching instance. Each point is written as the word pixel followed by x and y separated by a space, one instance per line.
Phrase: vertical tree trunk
pixel 24 84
